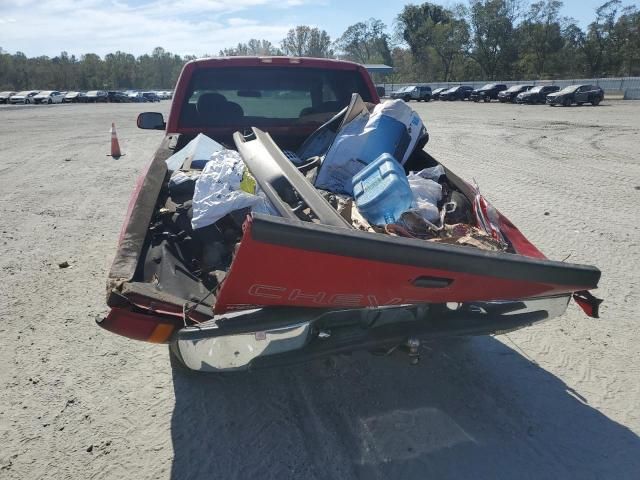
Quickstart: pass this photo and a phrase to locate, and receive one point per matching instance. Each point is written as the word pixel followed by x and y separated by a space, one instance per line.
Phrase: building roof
pixel 378 68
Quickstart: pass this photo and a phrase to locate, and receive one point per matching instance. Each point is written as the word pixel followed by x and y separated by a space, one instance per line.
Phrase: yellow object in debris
pixel 248 183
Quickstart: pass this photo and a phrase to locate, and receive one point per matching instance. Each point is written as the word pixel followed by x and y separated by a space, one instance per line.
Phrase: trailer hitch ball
pixel 413 344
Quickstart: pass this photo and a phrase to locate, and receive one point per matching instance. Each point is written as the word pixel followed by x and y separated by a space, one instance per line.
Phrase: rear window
pixel 245 96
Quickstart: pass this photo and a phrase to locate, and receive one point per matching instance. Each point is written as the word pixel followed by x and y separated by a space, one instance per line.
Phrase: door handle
pixel 432 282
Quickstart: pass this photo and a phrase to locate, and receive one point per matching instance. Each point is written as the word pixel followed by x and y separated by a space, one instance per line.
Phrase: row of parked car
pixel 530 94
pixel 92 96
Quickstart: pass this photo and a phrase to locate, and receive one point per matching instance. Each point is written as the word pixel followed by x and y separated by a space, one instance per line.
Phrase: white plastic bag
pixel 217 192
pixel 426 195
pixel 197 152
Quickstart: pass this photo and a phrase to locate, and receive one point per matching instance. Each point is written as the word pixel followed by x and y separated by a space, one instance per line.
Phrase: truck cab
pixel 286 97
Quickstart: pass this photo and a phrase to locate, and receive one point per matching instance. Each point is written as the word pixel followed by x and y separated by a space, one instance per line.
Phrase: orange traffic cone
pixel 115 145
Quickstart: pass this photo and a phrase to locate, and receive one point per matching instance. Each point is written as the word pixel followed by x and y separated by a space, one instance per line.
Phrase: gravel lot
pixel 558 400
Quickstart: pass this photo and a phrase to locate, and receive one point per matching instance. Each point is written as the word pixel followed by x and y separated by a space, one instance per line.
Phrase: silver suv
pixel 413 92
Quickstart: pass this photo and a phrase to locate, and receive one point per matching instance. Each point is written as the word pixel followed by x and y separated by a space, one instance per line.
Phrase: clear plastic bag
pixel 426 195
pixel 432 173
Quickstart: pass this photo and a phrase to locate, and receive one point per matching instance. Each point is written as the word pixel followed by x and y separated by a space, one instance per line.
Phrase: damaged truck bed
pixel 259 289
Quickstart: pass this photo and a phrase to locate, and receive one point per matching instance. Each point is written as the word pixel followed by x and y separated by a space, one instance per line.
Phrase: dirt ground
pixel 557 400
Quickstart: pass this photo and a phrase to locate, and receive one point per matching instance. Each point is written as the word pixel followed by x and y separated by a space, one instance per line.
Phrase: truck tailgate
pixel 294 263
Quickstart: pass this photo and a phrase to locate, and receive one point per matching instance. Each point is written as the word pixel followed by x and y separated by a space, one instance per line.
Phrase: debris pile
pixel 360 165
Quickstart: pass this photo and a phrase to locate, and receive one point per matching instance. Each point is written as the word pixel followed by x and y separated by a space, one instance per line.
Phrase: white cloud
pixel 98 26
pixel 236 21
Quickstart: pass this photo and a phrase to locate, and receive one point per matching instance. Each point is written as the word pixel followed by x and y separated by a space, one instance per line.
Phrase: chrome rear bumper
pixel 263 337
pixel 236 352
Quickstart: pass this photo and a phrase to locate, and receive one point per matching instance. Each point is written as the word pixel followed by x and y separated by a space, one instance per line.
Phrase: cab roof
pixel 312 62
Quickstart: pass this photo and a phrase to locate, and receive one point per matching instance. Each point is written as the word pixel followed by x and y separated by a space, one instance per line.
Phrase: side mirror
pixel 151 121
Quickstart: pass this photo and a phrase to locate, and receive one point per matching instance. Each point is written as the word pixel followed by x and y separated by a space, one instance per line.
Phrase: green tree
pixel 431 29
pixel 91 72
pixel 601 45
pixel 304 41
pixel 120 68
pixel 541 34
pixel 493 46
pixel 64 71
pixel 253 47
pixel 628 30
pixel 572 59
pixel 241 50
pixel 365 42
pixel 262 47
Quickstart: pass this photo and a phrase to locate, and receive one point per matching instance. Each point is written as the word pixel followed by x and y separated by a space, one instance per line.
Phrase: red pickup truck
pixel 305 283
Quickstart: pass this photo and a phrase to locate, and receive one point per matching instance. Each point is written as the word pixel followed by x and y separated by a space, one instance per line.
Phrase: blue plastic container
pixel 358 144
pixel 382 191
pixel 387 135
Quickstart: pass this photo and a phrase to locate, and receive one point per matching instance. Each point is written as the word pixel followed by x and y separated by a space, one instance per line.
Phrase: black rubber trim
pixel 391 335
pixel 434 317
pixel 420 253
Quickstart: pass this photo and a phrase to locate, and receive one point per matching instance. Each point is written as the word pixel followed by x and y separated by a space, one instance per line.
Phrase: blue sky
pixel 196 27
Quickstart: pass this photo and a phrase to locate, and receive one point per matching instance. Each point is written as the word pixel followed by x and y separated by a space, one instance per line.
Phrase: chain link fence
pixel 626 87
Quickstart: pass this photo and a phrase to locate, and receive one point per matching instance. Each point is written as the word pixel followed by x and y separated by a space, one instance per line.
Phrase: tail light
pixel 149 328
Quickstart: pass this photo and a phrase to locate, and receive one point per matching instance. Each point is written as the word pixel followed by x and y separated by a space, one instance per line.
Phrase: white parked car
pixel 25 96
pixel 48 96
pixel 4 96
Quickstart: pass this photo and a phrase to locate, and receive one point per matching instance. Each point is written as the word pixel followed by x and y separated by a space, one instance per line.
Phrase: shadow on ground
pixel 471 409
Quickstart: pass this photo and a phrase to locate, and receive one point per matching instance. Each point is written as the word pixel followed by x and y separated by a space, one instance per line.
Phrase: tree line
pixel 483 39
